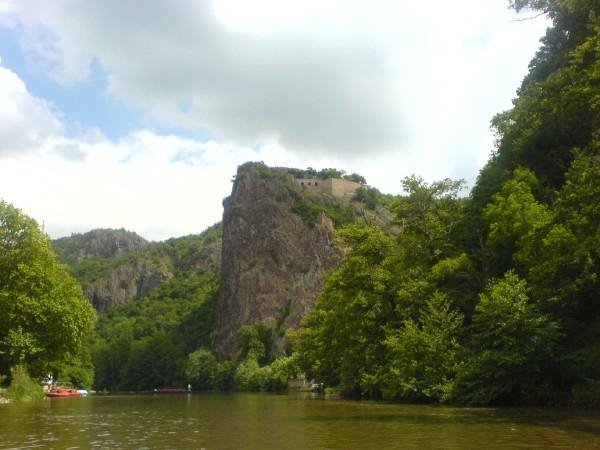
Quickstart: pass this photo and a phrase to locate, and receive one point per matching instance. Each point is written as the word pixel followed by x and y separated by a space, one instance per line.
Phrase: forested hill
pixel 101 243
pixel 156 303
pixel 116 267
pixel 492 299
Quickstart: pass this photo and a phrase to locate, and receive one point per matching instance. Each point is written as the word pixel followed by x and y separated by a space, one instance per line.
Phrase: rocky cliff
pixel 125 276
pixel 277 250
pixel 273 252
pixel 100 243
pixel 127 282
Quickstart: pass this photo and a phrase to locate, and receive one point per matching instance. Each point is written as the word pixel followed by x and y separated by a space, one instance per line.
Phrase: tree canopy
pixel 46 319
pixel 492 298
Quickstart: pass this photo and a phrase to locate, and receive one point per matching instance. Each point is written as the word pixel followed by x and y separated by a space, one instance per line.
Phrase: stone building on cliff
pixel 341 189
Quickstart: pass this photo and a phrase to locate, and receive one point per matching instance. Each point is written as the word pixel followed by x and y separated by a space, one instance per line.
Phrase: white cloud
pixel 344 78
pixel 76 184
pixel 26 122
pixel 131 183
pixel 385 89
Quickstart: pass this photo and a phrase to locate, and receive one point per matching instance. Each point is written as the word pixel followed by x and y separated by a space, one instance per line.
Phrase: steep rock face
pixel 100 243
pixel 128 282
pixel 273 262
pixel 123 278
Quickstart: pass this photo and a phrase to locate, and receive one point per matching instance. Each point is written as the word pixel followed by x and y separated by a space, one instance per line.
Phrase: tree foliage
pixel 145 345
pixel 326 173
pixel 424 355
pixel 381 304
pixel 518 259
pixel 45 318
pixel 514 348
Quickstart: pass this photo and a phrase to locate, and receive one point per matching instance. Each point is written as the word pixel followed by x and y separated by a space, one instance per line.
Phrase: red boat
pixel 170 390
pixel 63 392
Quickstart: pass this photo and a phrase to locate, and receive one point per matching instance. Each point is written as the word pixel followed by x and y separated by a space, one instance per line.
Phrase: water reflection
pixel 284 421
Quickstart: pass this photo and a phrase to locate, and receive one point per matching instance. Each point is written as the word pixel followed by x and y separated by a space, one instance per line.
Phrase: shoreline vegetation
pixel 488 299
pixel 22 387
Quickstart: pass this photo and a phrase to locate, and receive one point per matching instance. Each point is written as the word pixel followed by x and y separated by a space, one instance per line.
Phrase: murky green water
pixel 284 422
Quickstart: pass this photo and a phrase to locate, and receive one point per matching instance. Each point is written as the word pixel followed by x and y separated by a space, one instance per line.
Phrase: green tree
pixel 562 261
pixel 155 361
pixel 424 355
pixel 513 216
pixel 201 369
pixel 45 318
pixel 255 342
pixel 111 349
pixel 357 178
pixel 78 375
pixel 282 370
pixel 250 376
pixel 514 349
pixel 225 376
pixel 342 339
pixel 428 215
pixel 563 258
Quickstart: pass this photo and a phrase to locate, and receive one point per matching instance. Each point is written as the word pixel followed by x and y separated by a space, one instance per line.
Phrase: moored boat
pixel 63 392
pixel 170 390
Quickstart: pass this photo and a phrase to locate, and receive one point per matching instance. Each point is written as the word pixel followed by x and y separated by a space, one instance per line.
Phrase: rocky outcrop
pixel 100 243
pixel 122 278
pixel 273 261
pixel 128 282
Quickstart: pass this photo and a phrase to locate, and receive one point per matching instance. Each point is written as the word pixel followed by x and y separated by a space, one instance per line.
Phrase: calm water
pixel 264 421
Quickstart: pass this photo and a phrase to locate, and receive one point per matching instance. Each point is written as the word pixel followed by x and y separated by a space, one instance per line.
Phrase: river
pixel 295 421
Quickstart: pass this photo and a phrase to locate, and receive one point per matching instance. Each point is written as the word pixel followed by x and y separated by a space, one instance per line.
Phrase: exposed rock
pixel 130 281
pixel 121 279
pixel 273 262
pixel 100 243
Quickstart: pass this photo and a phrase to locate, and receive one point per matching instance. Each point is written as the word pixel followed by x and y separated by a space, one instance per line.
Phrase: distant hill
pixel 116 267
pixel 99 243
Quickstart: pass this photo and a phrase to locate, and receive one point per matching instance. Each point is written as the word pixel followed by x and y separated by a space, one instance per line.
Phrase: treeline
pixel 255 369
pixel 48 326
pixel 326 173
pixel 144 344
pixel 493 298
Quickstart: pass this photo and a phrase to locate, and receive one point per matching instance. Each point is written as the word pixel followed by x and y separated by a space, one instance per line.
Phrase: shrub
pixel 201 369
pixel 79 376
pixel 22 388
pixel 249 376
pixel 280 372
pixel 225 376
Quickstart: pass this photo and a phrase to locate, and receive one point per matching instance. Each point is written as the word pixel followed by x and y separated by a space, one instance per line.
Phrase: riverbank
pixel 3 399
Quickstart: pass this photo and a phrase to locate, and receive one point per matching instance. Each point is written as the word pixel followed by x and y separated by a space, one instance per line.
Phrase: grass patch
pixel 22 387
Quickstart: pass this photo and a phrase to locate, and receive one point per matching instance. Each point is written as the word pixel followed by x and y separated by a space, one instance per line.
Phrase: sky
pixel 136 114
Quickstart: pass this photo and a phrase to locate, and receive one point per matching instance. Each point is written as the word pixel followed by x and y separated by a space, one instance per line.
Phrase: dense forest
pixel 493 298
pixel 486 299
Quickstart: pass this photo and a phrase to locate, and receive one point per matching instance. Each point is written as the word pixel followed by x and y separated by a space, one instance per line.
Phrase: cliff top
pixel 98 243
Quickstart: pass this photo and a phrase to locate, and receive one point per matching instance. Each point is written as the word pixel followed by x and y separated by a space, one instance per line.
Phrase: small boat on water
pixel 170 390
pixel 63 392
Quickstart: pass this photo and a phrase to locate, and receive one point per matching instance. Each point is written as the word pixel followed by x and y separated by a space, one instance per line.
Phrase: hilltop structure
pixel 341 189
